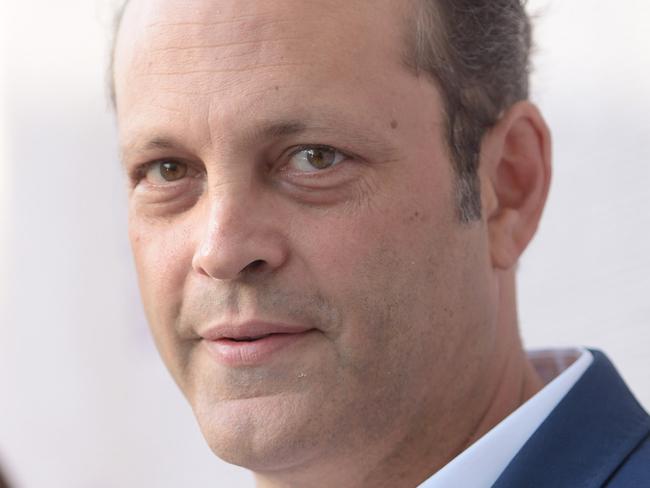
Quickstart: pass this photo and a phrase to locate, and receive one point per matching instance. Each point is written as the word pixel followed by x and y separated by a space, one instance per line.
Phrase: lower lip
pixel 233 353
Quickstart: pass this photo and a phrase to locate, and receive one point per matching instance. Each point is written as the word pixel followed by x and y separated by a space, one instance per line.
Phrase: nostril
pixel 255 265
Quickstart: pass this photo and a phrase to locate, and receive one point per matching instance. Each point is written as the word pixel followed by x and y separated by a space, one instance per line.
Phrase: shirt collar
pixel 481 464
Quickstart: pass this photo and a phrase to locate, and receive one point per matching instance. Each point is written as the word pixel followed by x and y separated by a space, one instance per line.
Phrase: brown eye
pixel 314 159
pixel 166 172
pixel 320 158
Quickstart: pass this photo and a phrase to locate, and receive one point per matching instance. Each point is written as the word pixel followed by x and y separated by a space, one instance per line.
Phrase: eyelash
pixel 139 172
pixel 314 147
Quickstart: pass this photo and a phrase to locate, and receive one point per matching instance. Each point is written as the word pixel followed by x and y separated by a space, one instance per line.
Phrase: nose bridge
pixel 237 231
pixel 230 214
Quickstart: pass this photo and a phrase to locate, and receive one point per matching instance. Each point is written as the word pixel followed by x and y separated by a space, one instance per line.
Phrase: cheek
pixel 163 257
pixel 379 270
pixel 383 275
pixel 393 267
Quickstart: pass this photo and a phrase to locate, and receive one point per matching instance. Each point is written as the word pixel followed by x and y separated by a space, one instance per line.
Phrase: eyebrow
pixel 159 142
pixel 280 129
pixel 265 131
pixel 328 124
pixel 270 130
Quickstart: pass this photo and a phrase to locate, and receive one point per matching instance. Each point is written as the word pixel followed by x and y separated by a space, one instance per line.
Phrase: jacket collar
pixel 585 438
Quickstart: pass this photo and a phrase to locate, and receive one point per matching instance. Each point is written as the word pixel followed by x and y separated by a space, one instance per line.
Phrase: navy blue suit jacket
pixel 597 436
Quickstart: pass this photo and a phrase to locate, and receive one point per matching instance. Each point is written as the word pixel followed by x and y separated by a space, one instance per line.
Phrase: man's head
pixel 293 173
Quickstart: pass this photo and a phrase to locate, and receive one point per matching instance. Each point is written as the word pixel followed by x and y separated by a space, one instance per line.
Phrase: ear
pixel 515 172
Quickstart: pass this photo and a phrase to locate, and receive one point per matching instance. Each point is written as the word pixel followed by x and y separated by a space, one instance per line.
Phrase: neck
pixel 517 383
pixel 513 379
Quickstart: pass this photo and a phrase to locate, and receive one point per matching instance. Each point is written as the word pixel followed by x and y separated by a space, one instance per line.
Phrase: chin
pixel 262 434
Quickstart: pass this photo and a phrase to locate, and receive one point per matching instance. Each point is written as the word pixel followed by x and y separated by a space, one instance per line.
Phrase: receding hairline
pixel 409 38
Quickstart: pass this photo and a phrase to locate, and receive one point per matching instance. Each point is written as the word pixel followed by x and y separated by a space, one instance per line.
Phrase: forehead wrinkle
pixel 222 44
pixel 243 69
pixel 213 35
pixel 263 30
pixel 208 57
pixel 223 34
pixel 253 24
pixel 239 17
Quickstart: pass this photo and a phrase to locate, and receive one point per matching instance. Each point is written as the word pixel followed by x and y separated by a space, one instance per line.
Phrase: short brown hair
pixel 477 52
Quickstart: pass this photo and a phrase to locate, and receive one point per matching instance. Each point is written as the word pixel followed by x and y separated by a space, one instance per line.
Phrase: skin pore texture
pixel 414 352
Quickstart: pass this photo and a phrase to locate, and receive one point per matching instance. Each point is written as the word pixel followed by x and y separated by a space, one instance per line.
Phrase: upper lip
pixel 250 330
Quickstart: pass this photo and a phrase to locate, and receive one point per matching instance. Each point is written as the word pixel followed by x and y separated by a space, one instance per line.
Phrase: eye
pixel 167 171
pixel 313 159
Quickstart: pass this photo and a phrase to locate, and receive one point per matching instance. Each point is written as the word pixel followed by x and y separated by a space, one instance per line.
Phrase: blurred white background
pixel 84 400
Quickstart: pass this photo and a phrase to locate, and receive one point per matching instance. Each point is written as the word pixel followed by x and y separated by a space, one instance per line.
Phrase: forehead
pixel 309 18
pixel 157 23
pixel 180 63
pixel 196 40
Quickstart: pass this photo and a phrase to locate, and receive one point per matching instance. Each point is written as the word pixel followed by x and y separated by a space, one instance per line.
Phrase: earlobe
pixel 516 167
pixel 504 251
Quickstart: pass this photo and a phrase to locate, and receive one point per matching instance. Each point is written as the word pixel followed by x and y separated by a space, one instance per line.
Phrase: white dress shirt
pixel 481 464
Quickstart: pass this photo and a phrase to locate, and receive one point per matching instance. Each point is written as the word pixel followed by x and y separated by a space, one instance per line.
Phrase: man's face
pixel 288 174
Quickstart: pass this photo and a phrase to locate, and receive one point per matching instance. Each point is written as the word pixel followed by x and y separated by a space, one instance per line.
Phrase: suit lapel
pixel 585 438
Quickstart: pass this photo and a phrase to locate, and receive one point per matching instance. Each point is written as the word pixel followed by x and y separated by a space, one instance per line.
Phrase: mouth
pixel 253 343
pixel 247 339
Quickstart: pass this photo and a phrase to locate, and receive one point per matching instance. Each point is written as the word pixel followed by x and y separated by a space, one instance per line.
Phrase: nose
pixel 242 235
